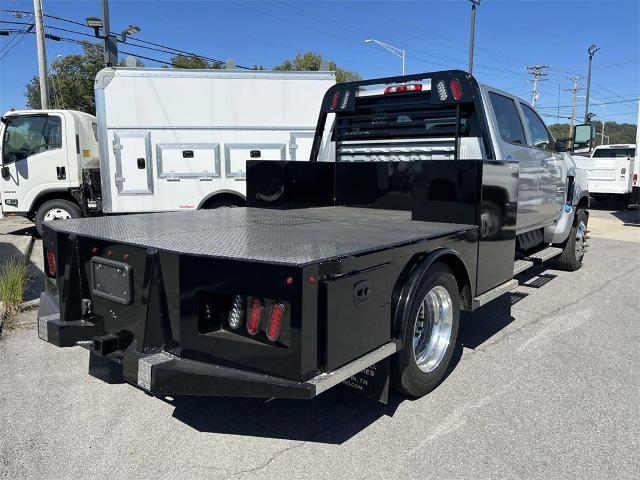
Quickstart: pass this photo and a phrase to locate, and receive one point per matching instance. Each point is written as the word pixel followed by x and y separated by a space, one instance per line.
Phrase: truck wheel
pixel 574 248
pixel 55 210
pixel 430 334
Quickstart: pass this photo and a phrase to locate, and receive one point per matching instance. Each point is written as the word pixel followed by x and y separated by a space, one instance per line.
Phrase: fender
pixel 220 192
pixel 409 287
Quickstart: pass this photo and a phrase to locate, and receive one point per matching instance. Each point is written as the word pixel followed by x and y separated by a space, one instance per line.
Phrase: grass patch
pixel 14 278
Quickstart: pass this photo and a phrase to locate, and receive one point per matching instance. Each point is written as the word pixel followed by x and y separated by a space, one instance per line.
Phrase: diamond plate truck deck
pixel 285 237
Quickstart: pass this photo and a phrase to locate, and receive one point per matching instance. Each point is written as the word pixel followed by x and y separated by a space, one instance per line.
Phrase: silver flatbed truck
pixel 438 192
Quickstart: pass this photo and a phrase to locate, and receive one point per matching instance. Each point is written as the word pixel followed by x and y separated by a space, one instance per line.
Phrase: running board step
pixel 544 255
pixel 494 293
pixel 520 266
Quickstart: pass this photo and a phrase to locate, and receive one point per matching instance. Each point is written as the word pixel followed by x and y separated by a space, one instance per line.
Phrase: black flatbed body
pixel 296 237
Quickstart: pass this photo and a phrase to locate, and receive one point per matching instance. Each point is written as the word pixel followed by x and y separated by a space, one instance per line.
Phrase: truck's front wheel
pixel 574 248
pixel 430 334
pixel 55 210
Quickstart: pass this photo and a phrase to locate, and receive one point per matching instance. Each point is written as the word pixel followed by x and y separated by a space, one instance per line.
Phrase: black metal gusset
pixel 156 333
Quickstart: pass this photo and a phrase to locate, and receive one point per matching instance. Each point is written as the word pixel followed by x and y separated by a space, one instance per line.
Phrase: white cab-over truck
pixel 163 140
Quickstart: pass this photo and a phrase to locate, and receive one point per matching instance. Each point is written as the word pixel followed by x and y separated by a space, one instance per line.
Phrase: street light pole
pixel 42 55
pixel 592 50
pixel 395 50
pixel 110 43
pixel 472 33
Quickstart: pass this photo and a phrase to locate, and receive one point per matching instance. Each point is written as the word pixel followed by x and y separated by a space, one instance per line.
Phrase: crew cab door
pixel 512 144
pixel 551 176
pixel 35 158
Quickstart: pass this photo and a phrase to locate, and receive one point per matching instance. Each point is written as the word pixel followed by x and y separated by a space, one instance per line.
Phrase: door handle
pixel 141 163
pixel 61 172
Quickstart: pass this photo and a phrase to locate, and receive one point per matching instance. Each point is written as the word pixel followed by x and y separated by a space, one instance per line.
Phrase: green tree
pixel 616 132
pixel 70 81
pixel 310 61
pixel 191 61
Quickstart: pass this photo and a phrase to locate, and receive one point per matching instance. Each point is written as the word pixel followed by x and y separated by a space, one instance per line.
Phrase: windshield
pixel 26 136
pixel 613 152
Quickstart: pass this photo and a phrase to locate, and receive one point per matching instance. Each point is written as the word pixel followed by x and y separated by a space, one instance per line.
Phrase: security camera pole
pixel 42 55
pixel 474 4
pixel 592 50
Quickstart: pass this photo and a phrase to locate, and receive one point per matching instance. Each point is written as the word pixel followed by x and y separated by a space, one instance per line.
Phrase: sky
pixel 510 34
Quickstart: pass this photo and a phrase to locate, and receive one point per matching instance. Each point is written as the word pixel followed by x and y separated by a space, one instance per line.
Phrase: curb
pixel 2 315
pixel 30 305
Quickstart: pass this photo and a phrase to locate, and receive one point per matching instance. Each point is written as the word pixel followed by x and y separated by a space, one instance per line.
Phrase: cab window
pixel 26 136
pixel 538 133
pixel 508 120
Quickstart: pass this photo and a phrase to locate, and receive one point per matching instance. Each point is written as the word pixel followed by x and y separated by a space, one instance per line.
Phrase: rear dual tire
pixel 429 334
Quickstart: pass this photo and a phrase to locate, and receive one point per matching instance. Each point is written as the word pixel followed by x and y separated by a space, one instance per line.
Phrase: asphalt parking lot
pixel 546 385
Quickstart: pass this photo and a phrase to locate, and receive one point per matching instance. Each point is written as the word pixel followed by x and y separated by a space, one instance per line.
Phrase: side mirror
pixel 5 173
pixel 583 136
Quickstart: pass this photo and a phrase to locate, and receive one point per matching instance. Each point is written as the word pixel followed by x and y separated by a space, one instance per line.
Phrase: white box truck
pixel 163 139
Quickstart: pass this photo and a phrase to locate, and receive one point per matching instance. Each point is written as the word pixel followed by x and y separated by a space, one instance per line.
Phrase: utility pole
pixel 536 71
pixel 574 91
pixel 472 32
pixel 42 55
pixel 592 50
pixel 110 42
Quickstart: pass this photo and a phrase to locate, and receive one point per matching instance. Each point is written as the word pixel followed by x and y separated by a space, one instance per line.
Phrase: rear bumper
pixel 164 373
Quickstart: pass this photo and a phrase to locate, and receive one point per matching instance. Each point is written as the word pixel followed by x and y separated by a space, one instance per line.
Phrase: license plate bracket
pixel 111 279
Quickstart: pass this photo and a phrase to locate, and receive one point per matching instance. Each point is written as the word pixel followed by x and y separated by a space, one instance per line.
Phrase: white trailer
pixel 179 139
pixel 611 171
pixel 163 139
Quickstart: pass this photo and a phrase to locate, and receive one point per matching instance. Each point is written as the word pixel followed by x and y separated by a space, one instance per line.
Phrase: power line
pixel 167 49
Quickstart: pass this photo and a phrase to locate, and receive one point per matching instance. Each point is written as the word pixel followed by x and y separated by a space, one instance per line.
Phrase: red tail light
pixel 334 100
pixel 635 178
pixel 414 87
pixel 456 89
pixel 275 322
pixel 51 263
pixel 253 325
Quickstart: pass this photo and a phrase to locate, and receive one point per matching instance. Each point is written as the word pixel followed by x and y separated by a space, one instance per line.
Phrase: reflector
pixel 51 263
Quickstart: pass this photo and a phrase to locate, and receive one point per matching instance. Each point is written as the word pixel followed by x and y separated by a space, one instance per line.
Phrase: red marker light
pixel 275 322
pixel 94 249
pixel 334 100
pixel 289 280
pixel 125 256
pixel 456 89
pixel 109 253
pixel 253 325
pixel 312 279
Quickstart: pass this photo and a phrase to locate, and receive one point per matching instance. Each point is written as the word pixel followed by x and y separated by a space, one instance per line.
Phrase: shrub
pixel 14 277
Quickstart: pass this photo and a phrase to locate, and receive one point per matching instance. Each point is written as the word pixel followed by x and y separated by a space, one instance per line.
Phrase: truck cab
pixel 44 154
